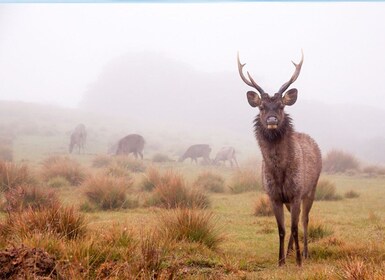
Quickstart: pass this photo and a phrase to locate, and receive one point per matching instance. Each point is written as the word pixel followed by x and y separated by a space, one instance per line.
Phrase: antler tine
pixel 251 83
pixel 294 77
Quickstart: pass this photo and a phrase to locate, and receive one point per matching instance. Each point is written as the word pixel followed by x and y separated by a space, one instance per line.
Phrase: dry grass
pixel 160 158
pixel 326 190
pixel 339 161
pixel 107 192
pixel 318 230
pixel 193 225
pixel 152 178
pixel 101 161
pixel 29 196
pixel 245 180
pixel 374 170
pixel 351 194
pixel 262 206
pixel 13 175
pixel 210 182
pixel 58 182
pixel 130 164
pixel 172 192
pixel 65 167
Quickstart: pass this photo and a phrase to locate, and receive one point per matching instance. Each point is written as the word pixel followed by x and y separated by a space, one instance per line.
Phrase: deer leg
pixel 290 244
pixel 278 212
pixel 306 206
pixel 141 155
pixel 295 208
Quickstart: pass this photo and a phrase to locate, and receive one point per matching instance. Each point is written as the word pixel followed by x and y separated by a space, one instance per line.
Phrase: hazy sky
pixel 50 53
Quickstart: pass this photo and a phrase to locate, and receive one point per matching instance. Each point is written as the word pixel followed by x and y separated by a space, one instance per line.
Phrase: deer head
pixel 271 107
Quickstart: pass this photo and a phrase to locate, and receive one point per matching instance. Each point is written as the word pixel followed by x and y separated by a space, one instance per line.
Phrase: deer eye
pixel 261 108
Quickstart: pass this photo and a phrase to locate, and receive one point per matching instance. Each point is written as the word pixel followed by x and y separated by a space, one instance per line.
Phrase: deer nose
pixel 272 120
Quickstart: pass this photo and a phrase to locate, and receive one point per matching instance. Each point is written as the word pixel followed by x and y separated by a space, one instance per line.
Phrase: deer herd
pixel 291 162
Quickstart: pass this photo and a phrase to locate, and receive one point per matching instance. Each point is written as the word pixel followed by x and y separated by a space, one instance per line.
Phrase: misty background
pixel 169 71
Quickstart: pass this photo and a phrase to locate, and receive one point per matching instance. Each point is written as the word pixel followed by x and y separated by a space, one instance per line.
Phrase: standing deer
pixel 78 138
pixel 197 151
pixel 226 153
pixel 132 143
pixel 291 161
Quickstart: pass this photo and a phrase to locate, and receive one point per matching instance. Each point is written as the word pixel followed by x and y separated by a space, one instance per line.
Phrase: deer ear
pixel 290 97
pixel 253 98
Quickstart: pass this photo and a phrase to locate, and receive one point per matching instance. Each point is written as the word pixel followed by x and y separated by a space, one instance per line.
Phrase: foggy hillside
pixel 158 91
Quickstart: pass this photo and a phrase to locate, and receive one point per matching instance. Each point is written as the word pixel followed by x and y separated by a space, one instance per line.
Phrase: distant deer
pixel 291 161
pixel 224 154
pixel 78 138
pixel 132 143
pixel 197 151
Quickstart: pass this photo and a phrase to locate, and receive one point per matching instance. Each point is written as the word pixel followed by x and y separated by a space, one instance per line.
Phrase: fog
pixel 175 64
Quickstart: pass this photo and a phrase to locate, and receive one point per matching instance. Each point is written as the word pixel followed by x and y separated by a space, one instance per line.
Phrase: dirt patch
pixel 27 263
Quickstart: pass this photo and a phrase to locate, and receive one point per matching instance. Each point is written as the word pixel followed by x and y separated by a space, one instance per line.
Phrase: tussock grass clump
pixel 317 230
pixel 245 180
pixel 29 196
pixel 13 175
pixel 172 193
pixel 326 190
pixel 130 164
pixel 107 192
pixel 262 206
pixel 101 161
pixel 160 158
pixel 351 194
pixel 61 221
pixel 339 161
pixel 58 182
pixel 355 268
pixel 210 182
pixel 152 178
pixel 65 167
pixel 193 225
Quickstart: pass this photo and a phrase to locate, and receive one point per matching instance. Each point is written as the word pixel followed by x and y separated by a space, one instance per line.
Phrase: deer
pixel 291 161
pixel 197 151
pixel 226 153
pixel 132 143
pixel 78 138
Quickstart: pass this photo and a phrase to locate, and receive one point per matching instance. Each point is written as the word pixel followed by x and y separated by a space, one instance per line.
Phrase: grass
pixel 262 206
pixel 13 175
pixel 339 161
pixel 326 190
pixel 245 180
pixel 57 166
pixel 210 182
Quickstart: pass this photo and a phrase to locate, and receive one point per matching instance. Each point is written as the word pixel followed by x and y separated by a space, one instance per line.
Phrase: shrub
pixel 64 167
pixel 64 222
pixel 160 158
pixel 339 161
pixel 172 193
pixel 58 182
pixel 262 206
pixel 210 182
pixel 374 170
pixel 351 194
pixel 193 225
pixel 13 175
pixel 130 164
pixel 101 161
pixel 106 192
pixel 27 196
pixel 326 190
pixel 245 180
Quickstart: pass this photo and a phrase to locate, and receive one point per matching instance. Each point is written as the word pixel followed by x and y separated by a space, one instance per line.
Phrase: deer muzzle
pixel 272 122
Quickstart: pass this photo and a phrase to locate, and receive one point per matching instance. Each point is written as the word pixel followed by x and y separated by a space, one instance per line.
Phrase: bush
pixel 262 206
pixel 13 175
pixel 339 161
pixel 210 182
pixel 65 167
pixel 101 161
pixel 374 170
pixel 191 225
pixel 29 197
pixel 172 192
pixel 326 190
pixel 64 222
pixel 351 194
pixel 106 192
pixel 130 164
pixel 245 180
pixel 58 182
pixel 160 158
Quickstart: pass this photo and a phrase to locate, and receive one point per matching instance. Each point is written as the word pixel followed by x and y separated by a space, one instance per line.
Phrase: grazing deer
pixel 226 153
pixel 132 143
pixel 291 161
pixel 78 138
pixel 197 151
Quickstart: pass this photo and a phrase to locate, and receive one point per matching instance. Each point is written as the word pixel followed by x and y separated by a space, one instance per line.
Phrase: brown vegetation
pixel 65 167
pixel 210 182
pixel 245 180
pixel 338 161
pixel 262 206
pixel 13 175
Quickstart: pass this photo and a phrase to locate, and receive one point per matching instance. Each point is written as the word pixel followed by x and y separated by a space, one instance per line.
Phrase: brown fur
pixel 132 143
pixel 196 151
pixel 78 138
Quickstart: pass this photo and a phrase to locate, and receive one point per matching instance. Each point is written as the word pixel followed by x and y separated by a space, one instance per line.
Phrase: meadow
pixel 95 216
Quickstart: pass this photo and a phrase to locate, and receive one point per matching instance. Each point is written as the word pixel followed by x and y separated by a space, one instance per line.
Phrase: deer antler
pixel 294 77
pixel 249 82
